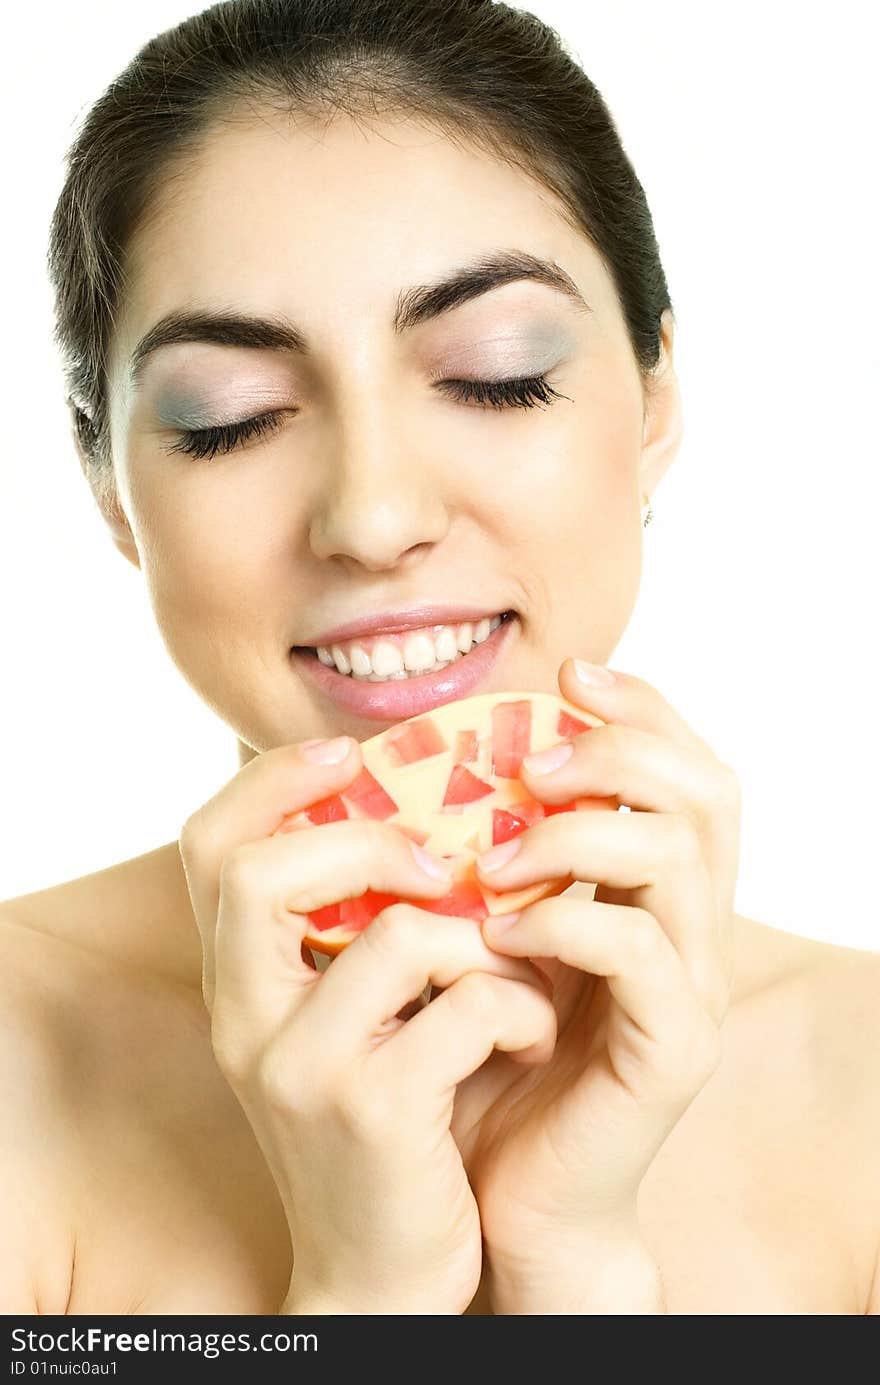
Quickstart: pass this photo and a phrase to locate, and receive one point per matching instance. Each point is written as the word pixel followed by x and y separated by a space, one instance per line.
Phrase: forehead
pixel 333 219
pixel 331 228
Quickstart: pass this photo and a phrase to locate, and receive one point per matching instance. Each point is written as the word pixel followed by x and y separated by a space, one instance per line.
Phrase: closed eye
pixel 522 393
pixel 204 443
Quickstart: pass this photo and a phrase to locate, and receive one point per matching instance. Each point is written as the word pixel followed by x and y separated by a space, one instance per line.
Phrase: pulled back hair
pixel 483 73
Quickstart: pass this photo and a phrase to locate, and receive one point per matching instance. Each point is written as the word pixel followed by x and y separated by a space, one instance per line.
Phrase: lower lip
pixel 408 697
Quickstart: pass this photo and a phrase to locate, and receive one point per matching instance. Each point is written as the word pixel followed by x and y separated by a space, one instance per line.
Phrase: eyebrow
pixel 415 306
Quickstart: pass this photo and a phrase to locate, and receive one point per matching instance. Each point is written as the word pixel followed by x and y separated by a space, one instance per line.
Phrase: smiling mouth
pixel 406 656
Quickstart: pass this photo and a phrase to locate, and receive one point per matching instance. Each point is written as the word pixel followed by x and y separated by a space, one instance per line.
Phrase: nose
pixel 384 495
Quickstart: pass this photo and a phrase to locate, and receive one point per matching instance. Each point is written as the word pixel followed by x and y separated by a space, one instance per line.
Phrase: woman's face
pixel 378 489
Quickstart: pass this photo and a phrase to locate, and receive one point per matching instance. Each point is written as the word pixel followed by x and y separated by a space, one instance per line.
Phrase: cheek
pixel 206 563
pixel 580 481
pixel 578 532
pixel 218 608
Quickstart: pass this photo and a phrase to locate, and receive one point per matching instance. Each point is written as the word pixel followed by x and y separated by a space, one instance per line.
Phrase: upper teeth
pixel 413 651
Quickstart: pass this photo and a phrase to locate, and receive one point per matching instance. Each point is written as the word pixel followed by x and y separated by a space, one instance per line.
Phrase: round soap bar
pixel 449 780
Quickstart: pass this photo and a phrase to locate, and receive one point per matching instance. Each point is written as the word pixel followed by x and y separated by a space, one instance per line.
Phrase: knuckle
pixel 281 1081
pixel 606 745
pixel 231 1049
pixel 238 871
pixel 362 834
pixel 274 1080
pixel 386 842
pixel 285 757
pixel 612 737
pixel 393 930
pixel 477 992
pixel 382 834
pixel 683 840
pixel 192 835
pixel 642 938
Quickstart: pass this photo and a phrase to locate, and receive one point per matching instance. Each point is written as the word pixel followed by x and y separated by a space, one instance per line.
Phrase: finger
pixel 390 963
pixel 625 945
pixel 652 773
pixel 640 768
pixel 454 1035
pixel 657 856
pixel 631 700
pixel 252 806
pixel 269 886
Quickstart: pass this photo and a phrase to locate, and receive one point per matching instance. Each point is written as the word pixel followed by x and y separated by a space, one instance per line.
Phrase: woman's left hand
pixel 641 978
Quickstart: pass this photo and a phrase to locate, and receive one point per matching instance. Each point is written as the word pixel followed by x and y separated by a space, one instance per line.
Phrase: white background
pixel 754 131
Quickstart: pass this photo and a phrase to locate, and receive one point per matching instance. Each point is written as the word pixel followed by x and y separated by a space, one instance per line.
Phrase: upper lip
pixel 390 622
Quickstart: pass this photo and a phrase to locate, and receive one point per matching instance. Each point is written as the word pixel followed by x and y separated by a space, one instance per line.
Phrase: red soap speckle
pixel 464 787
pixel 464 900
pixel 368 795
pixel 413 741
pixel 330 809
pixel 509 823
pixel 568 726
pixel 511 737
pixel 352 914
pixel 328 917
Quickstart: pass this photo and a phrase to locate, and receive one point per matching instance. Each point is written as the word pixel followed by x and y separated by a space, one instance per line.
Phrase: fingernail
pixel 594 675
pixel 499 855
pixel 326 752
pixel 545 760
pixel 432 865
pixel 496 924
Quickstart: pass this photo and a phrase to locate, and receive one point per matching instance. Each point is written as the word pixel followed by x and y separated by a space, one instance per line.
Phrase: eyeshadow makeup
pixel 178 410
pixel 215 403
pixel 515 349
pixel 529 349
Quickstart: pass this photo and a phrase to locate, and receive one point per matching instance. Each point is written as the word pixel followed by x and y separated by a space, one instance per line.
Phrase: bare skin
pixel 133 1182
pixel 140 1188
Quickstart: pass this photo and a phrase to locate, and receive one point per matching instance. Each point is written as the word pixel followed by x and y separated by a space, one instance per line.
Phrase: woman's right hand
pixel 350 1103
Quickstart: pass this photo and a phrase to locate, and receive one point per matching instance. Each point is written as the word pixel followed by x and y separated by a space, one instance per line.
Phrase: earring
pixel 647 513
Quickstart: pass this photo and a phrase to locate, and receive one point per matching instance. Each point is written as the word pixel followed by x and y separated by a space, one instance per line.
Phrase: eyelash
pixel 525 393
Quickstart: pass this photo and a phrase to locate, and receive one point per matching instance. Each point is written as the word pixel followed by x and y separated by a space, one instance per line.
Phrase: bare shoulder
pixel 136 913
pixel 84 973
pixel 805 1030
pixel 840 985
pixel 775 1159
pixel 37 1244
pixel 126 1163
pixel 825 1003
pixel 836 992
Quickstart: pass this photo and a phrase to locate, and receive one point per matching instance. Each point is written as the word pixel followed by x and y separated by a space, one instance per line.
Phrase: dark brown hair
pixel 481 72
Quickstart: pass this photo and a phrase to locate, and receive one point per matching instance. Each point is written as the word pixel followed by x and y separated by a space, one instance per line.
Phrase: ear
pixel 103 488
pixel 664 423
